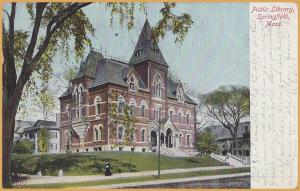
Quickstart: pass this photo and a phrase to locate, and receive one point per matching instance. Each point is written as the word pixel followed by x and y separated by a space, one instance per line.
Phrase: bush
pixel 23 147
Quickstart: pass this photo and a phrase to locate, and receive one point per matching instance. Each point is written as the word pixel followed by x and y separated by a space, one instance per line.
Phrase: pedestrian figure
pixel 107 169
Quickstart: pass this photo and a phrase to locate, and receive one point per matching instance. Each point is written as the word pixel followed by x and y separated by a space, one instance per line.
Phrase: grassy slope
pixel 92 163
pixel 139 179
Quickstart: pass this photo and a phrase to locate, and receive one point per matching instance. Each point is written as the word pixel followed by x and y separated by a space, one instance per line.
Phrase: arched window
pixel 133 135
pixel 120 133
pixel 188 114
pixel 132 106
pixel 138 53
pixel 68 111
pixel 143 110
pixel 121 104
pixel 180 95
pixel 157 113
pixel 97 133
pixel 80 97
pixel 171 112
pixel 180 139
pixel 143 135
pixel 97 102
pixel 132 83
pixel 179 115
pixel 187 118
pixel 158 86
pixel 76 96
pixel 188 140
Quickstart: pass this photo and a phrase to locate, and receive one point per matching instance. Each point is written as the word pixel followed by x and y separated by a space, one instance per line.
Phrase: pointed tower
pixel 146 48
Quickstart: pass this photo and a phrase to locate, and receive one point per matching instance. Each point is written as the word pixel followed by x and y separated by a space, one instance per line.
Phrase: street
pixel 237 182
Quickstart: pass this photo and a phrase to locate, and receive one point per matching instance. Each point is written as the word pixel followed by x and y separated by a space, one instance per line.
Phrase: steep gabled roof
pixel 88 67
pixel 171 91
pixel 110 71
pixel 113 71
pixel 147 48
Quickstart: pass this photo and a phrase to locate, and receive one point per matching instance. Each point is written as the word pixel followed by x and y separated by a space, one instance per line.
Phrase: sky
pixel 215 51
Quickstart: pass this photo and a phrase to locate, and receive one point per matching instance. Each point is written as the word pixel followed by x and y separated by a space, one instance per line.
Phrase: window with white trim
pixel 132 83
pixel 68 111
pixel 98 105
pixel 188 140
pixel 120 133
pixel 157 86
pixel 171 111
pixel 180 95
pixel 180 139
pixel 121 104
pixel 143 110
pixel 143 135
pixel 187 118
pixel 97 133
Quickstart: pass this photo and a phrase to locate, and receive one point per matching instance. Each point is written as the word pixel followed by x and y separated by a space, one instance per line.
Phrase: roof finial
pixel 146 11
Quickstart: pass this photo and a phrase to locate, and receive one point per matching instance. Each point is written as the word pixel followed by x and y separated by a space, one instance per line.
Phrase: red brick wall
pixel 142 122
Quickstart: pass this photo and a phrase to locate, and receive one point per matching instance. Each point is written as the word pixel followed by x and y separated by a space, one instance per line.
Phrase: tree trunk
pixel 9 114
pixel 11 99
pixel 236 143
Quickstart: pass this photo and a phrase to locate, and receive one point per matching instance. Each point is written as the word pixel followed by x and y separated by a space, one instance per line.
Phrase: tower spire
pixel 147 48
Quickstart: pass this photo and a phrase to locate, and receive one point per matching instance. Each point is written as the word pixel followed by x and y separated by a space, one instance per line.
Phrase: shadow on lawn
pixel 51 164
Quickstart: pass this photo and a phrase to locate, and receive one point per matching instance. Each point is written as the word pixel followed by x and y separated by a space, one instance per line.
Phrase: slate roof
pixel 103 70
pixel 171 91
pixel 113 71
pixel 87 67
pixel 147 46
pixel 220 133
pixel 42 124
pixel 20 125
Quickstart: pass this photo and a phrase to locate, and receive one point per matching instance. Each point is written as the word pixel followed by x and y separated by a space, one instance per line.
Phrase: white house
pixel 31 133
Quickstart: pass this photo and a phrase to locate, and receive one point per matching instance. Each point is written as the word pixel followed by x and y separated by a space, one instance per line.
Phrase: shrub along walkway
pixel 35 180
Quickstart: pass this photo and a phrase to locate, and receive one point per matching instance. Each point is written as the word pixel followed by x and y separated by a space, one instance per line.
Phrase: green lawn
pixel 92 163
pixel 138 179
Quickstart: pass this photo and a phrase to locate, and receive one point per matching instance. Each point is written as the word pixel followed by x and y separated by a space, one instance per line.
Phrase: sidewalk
pixel 71 179
pixel 160 182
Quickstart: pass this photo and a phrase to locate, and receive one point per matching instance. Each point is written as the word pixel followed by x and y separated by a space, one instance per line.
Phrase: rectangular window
pixel 53 146
pixel 53 134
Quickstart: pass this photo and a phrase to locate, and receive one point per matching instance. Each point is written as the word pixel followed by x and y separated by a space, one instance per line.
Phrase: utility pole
pixel 158 160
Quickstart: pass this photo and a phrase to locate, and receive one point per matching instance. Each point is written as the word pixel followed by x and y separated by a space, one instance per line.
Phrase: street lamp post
pixel 158 160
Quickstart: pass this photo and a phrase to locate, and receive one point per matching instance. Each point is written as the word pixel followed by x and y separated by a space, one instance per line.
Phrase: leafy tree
pixel 70 73
pixel 206 142
pixel 28 53
pixel 128 122
pixel 43 140
pixel 228 105
pixel 23 147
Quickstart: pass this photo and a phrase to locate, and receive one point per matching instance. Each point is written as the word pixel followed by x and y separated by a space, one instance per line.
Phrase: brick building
pixel 144 86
